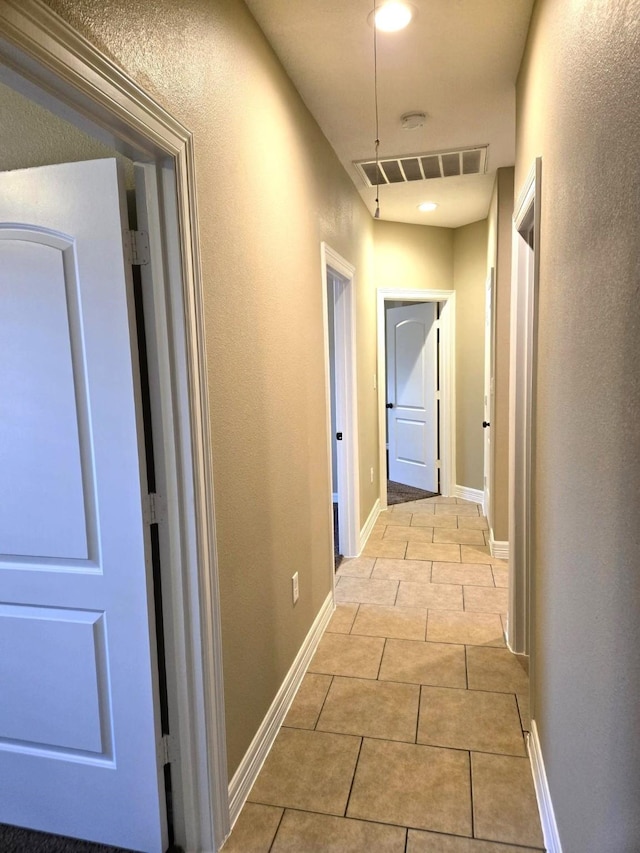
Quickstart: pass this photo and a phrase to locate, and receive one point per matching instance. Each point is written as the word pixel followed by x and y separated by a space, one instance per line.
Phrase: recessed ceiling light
pixel 427 206
pixel 393 16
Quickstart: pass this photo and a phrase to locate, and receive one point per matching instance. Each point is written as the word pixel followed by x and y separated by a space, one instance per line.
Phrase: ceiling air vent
pixel 424 167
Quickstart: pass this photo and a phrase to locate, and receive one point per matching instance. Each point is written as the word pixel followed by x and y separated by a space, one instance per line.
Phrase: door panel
pixel 411 389
pixel 78 722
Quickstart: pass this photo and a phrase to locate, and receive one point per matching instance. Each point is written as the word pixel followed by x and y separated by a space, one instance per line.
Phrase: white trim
pixel 369 524
pixel 346 394
pixel 499 550
pixel 54 60
pixel 447 379
pixel 523 335
pixel 254 758
pixel 467 494
pixel 543 795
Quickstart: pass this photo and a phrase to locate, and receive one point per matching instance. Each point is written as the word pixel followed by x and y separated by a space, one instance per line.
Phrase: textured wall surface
pixel 469 277
pixel 578 108
pixel 269 190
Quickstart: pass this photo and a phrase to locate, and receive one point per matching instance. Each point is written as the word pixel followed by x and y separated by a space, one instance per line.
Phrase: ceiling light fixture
pixel 392 16
pixel 427 206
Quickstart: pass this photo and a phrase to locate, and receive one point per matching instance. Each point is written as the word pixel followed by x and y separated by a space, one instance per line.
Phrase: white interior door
pixel 78 716
pixel 412 429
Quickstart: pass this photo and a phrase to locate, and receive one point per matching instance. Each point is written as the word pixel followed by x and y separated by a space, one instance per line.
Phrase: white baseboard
pixel 368 525
pixel 465 494
pixel 543 795
pixel 251 764
pixel 498 549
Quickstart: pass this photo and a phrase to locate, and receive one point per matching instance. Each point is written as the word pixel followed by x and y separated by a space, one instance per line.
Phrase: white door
pixel 78 721
pixel 412 429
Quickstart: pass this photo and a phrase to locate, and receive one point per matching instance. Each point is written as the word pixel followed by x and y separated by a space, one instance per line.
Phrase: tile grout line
pixel 273 840
pixel 353 778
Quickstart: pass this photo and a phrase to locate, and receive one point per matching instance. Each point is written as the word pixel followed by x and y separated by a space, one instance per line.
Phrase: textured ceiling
pixel 457 62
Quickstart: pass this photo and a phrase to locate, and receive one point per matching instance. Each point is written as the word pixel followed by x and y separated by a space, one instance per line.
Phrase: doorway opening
pixel 51 65
pixel 341 394
pixel 526 257
pixel 416 404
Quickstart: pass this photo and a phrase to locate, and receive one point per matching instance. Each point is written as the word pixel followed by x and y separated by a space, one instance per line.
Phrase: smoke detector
pixel 412 121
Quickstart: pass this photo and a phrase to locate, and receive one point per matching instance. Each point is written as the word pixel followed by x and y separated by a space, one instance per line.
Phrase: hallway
pixel 407 731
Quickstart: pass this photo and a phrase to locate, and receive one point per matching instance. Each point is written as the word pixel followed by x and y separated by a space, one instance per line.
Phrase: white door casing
pixel 411 391
pixel 78 722
pixel 488 391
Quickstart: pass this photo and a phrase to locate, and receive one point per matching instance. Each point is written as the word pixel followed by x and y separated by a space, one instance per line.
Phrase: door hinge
pixel 438 463
pixel 167 750
pixel 153 509
pixel 136 248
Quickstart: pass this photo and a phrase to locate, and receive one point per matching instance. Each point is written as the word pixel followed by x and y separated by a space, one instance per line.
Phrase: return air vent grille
pixel 424 167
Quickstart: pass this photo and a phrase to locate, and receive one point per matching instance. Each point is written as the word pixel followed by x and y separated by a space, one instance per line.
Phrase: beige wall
pixel 578 109
pixel 269 190
pixel 469 277
pixel 412 257
pixel 499 257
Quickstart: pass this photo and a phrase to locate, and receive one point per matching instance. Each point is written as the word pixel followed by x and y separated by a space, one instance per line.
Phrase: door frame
pixel 346 402
pixel 52 59
pixel 489 395
pixel 447 383
pixel 523 357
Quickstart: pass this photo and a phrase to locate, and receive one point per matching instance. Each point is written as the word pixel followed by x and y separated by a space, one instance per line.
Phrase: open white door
pixel 78 716
pixel 411 395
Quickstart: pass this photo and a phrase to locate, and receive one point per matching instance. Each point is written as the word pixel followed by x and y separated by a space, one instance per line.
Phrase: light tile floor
pixel 406 735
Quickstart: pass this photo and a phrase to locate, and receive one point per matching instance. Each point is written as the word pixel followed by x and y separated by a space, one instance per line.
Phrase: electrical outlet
pixel 372 475
pixel 294 587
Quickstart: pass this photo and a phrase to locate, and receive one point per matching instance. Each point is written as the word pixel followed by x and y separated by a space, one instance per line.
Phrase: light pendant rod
pixel 375 94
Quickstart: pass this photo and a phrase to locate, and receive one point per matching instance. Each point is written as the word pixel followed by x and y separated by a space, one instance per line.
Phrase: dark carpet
pixel 15 839
pixel 397 493
pixel 337 556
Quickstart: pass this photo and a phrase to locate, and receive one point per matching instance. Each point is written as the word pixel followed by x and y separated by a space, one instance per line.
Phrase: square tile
pixel 418 571
pixel 498 670
pixel 306 832
pixel 254 830
pixel 478 599
pixel 344 654
pixel 426 551
pixel 384 548
pixel 478 629
pixel 424 663
pixel 434 842
pixel 342 619
pixel 440 596
pixel 409 533
pixel 366 590
pixel 500 576
pixel 473 574
pixel 504 801
pixel 308 770
pixel 457 509
pixel 396 516
pixel 376 709
pixel 472 522
pixel 305 708
pixel 459 536
pixel 402 622
pixel 476 554
pixel 411 785
pixel 470 719
pixel 422 519
pixel 356 567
